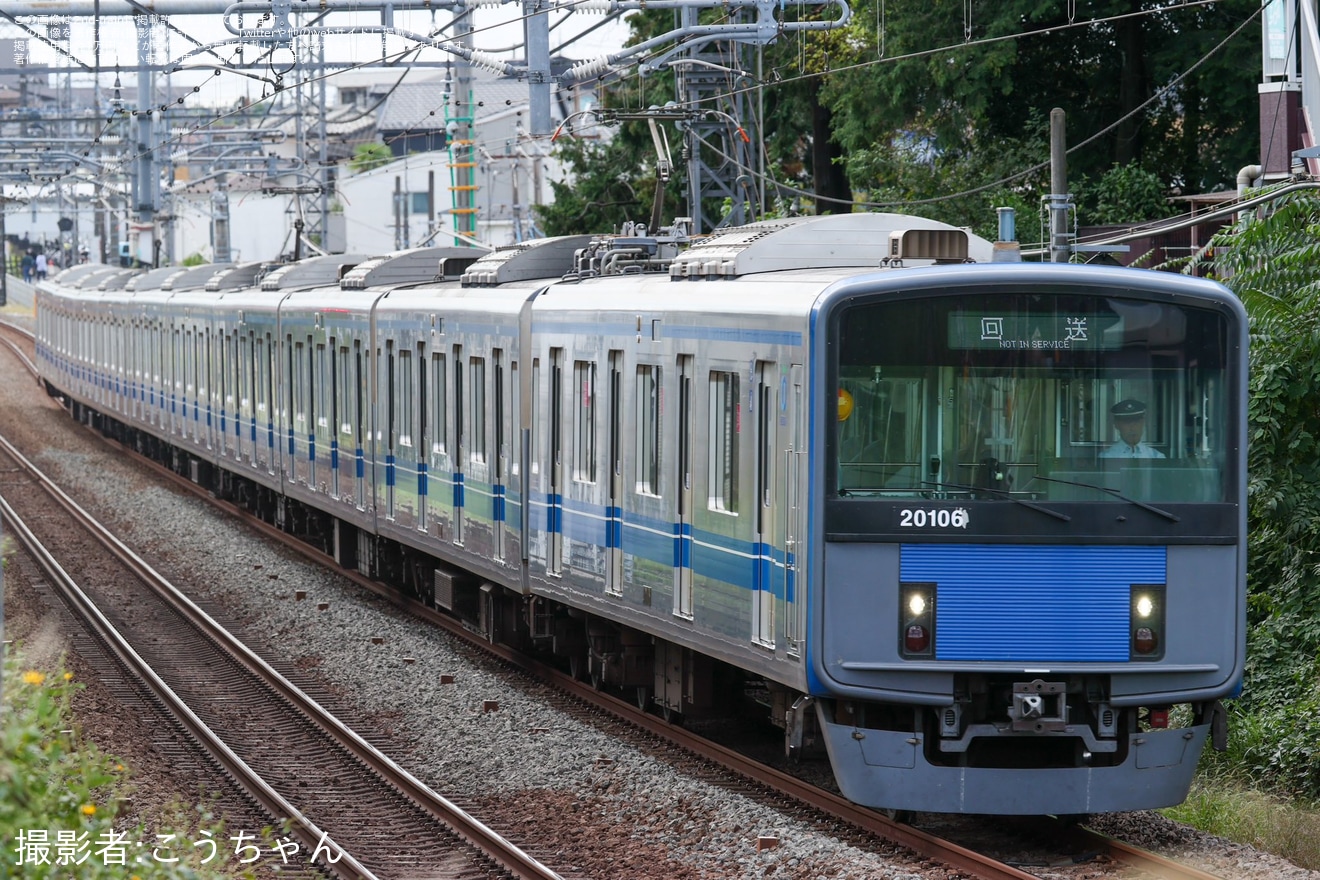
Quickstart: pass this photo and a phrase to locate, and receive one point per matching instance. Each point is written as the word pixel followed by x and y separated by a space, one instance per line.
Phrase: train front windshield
pixel 1042 397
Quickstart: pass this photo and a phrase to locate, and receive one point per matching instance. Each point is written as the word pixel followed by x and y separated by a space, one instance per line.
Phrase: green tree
pixel 613 179
pixel 1273 264
pixel 369 156
pixel 989 85
pixel 1123 194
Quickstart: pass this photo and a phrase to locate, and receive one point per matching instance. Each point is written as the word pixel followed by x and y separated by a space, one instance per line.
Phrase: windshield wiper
pixel 1002 493
pixel 1158 511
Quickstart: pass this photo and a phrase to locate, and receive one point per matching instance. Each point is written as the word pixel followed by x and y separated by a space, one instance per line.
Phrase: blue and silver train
pixel 977 527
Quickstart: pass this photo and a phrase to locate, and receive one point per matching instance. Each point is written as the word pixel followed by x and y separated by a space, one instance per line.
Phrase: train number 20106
pixel 942 518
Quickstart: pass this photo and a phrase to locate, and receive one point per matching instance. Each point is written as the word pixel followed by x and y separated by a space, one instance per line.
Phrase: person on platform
pixel 1130 422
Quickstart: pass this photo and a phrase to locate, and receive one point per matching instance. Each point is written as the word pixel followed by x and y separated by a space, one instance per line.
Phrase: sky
pixel 498 30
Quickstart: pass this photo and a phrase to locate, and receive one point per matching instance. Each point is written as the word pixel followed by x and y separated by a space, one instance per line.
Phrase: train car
pixel 977 530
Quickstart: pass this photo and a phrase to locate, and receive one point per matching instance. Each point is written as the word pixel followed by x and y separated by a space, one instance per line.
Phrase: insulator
pixel 487 61
pixel 588 69
pixel 601 6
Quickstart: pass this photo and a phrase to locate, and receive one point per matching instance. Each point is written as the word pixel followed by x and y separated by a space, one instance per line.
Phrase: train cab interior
pixel 963 418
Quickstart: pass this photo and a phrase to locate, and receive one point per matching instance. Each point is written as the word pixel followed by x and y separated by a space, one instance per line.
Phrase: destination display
pixel 1040 332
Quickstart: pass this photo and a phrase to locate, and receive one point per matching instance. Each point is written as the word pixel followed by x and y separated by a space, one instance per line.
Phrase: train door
pixel 201 403
pixel 223 394
pixel 248 430
pixel 391 427
pixel 321 421
pixel 358 425
pixel 767 580
pixel 422 442
pixel 476 454
pixel 794 495
pixel 187 382
pixel 267 410
pixel 227 432
pixel 209 379
pixel 335 431
pixel 554 514
pixel 160 377
pixel 460 445
pixel 237 384
pixel 178 399
pixel 683 492
pixel 302 427
pixel 614 491
pixel 441 501
pixel 405 449
pixel 499 455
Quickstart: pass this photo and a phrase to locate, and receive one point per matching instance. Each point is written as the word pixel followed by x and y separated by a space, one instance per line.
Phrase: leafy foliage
pixel 1123 194
pixel 913 101
pixel 52 784
pixel 1273 264
pixel 367 157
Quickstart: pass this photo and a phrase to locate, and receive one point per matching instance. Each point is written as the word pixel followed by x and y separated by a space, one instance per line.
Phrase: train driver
pixel 1130 423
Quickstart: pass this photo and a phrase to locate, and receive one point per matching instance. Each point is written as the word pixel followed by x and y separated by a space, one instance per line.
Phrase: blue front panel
pixel 1032 604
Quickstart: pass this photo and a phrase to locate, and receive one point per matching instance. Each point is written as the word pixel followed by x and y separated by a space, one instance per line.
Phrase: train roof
pixel 67 277
pixel 413 266
pixel 540 258
pixel 837 240
pixel 321 271
pixel 116 280
pixel 88 280
pixel 191 278
pixel 153 278
pixel 236 276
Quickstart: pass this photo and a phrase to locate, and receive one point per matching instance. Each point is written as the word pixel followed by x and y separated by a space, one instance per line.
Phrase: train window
pixel 201 364
pixel 260 379
pixel 423 405
pixel 725 417
pixel 323 386
pixel 535 463
pixel 235 395
pixel 584 426
pixel 310 392
pixel 647 453
pixel 1065 398
pixel 515 411
pixel 406 397
pixel 345 391
pixel 189 369
pixel 461 439
pixel 331 420
pixel 439 410
pixel 391 398
pixel 357 415
pixel 299 396
pixel 477 416
pixel 497 413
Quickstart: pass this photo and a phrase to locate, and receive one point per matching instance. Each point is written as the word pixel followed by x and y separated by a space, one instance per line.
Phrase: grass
pixel 59 798
pixel 1227 806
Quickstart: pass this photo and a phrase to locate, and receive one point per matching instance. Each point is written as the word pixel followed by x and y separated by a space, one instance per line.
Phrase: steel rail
pixel 309 835
pixel 494 845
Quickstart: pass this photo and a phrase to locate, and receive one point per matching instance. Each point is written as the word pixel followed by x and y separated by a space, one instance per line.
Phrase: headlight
pixel 1146 622
pixel 916 620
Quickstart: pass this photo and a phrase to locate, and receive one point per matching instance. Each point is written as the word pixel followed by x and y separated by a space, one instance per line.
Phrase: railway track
pixel 337 795
pixel 824 806
pixel 829 807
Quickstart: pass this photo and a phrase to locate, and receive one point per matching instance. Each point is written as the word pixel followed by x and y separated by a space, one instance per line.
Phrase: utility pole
pixel 1060 204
